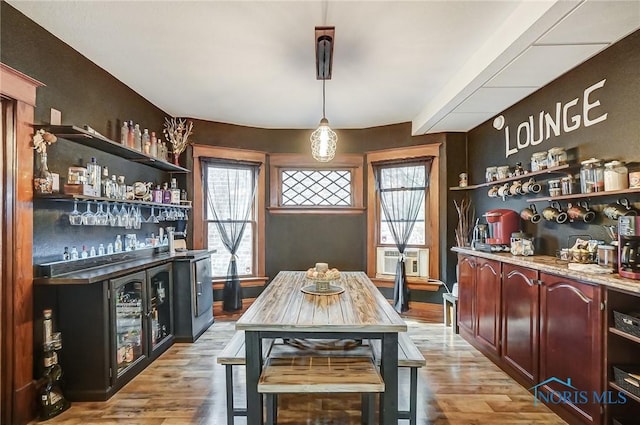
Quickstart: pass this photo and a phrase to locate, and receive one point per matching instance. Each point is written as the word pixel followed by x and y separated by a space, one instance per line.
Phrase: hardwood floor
pixel 186 386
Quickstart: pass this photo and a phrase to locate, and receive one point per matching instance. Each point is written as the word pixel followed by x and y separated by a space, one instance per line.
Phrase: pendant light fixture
pixel 323 139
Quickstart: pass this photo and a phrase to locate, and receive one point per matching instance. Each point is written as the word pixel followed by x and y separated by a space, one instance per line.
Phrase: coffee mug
pixel 493 192
pixel 581 212
pixel 503 191
pixel 619 209
pixel 530 214
pixel 554 213
pixel 516 188
pixel 531 186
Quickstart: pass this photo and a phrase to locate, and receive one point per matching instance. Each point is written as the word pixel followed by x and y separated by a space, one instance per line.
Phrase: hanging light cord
pixel 323 95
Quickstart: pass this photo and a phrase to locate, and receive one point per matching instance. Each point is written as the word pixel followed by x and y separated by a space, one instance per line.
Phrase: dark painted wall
pixel 86 94
pixel 618 137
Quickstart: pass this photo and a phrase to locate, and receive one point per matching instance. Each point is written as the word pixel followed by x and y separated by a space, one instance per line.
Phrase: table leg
pixel 389 370
pixel 253 346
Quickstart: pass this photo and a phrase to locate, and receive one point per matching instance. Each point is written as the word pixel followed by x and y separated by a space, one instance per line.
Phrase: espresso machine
pixel 629 246
pixel 501 224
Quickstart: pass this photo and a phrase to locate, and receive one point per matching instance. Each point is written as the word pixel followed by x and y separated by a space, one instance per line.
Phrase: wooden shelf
pixel 624 334
pixel 101 143
pixel 615 386
pixel 585 195
pixel 561 169
pixel 84 198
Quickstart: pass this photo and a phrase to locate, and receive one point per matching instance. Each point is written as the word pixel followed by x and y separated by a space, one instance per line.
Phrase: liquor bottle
pixel 92 251
pixel 73 255
pixel 157 194
pixel 84 253
pixel 124 133
pixel 130 135
pixel 101 249
pixel 115 193
pixel 47 327
pixel 146 142
pixel 154 145
pixel 107 190
pixel 117 246
pixel 94 173
pixel 52 401
pixel 110 249
pixel 175 192
pixel 166 193
pixel 137 138
pixel 65 255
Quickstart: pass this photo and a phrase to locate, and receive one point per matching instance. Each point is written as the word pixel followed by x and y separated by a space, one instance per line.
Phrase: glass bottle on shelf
pixel 130 142
pixel 122 188
pixel 616 176
pixel 157 194
pixel 117 246
pixel 84 253
pixel 101 249
pixel 166 193
pixel 124 134
pixel 175 192
pixel 137 138
pixel 52 401
pixel 153 149
pixel 43 180
pixel 65 255
pixel 73 255
pixel 106 183
pixel 146 142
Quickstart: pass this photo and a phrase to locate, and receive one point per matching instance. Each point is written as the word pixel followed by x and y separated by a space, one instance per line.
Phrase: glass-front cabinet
pixel 128 295
pixel 160 307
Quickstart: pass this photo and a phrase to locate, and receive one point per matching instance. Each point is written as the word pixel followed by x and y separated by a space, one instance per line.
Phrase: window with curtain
pixel 400 181
pixel 240 180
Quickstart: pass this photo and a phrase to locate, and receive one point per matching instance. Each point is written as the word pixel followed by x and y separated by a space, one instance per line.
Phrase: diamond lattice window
pixel 316 188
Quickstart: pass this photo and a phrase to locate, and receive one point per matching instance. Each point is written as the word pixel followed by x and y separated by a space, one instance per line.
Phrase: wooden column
pixel 17 388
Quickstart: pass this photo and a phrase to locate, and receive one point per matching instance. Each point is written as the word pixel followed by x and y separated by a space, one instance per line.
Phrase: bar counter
pixel 116 265
pixel 549 264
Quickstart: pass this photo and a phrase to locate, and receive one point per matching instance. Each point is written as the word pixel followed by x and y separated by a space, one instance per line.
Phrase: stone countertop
pixel 548 264
pixel 112 270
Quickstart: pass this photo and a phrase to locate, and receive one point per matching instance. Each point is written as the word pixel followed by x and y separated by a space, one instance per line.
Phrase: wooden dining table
pixel 283 310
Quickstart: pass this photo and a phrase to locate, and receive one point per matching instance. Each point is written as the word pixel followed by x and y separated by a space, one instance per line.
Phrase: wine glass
pixel 102 218
pixel 88 217
pixel 152 218
pixel 112 216
pixel 75 218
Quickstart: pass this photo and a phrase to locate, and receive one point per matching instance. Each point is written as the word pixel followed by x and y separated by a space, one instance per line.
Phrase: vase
pixel 42 179
pixel 176 156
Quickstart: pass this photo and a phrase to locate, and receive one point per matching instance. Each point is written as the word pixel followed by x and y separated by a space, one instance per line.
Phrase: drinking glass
pixel 75 218
pixel 112 216
pixel 123 218
pixel 88 217
pixel 152 218
pixel 102 218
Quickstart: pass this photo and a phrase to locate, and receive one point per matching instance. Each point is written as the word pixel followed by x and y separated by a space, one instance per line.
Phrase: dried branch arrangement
pixel 42 139
pixel 466 216
pixel 177 131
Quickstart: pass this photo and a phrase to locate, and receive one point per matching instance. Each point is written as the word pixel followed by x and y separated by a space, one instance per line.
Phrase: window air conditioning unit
pixel 416 261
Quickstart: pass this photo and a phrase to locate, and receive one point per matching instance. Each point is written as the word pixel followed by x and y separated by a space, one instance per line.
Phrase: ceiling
pixel 443 65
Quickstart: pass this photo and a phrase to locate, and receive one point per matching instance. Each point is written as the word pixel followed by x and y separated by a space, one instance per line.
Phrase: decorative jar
pixel 616 176
pixel 43 180
pixel 592 176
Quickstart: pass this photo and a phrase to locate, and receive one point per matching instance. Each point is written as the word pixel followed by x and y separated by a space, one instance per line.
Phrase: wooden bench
pixel 320 374
pixel 233 354
pixel 408 356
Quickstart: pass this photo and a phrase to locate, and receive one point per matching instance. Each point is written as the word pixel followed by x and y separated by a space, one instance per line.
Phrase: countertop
pixel 116 269
pixel 553 265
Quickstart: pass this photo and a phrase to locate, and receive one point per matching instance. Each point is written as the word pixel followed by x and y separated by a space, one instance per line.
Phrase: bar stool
pixel 450 303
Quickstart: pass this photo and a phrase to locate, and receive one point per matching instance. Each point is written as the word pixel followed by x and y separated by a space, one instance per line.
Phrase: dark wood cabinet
pixel 479 301
pixel 520 322
pixel 488 304
pixel 107 329
pixel 466 294
pixel 571 344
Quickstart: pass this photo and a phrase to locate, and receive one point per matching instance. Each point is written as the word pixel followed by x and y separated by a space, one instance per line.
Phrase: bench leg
pixel 413 396
pixel 229 382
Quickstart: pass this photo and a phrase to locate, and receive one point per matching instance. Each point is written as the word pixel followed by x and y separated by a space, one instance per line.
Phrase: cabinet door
pixel 160 304
pixel 128 309
pixel 570 341
pixel 203 289
pixel 488 304
pixel 520 324
pixel 466 293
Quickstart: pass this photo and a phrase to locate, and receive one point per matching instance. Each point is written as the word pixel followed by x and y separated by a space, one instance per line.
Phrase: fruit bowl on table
pixel 322 279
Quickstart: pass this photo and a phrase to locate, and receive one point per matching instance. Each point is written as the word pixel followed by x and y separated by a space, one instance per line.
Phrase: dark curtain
pixel 401 188
pixel 230 196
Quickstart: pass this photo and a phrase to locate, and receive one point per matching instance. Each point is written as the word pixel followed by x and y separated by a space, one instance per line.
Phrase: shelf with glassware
pixel 552 171
pixel 101 143
pixel 86 198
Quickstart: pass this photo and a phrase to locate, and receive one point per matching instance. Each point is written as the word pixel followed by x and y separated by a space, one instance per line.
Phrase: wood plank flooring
pixel 458 386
